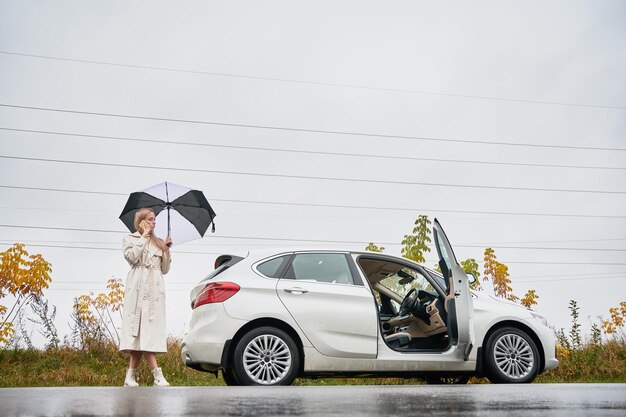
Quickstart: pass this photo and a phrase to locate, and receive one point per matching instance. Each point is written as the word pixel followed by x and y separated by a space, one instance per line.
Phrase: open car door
pixel 459 299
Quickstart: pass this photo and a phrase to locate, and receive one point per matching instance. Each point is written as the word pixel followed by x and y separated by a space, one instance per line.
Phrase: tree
pixel 501 283
pixel 415 245
pixel 498 274
pixel 373 248
pixel 23 277
pixel 529 299
pixel 490 265
pixel 471 267
pixel 618 317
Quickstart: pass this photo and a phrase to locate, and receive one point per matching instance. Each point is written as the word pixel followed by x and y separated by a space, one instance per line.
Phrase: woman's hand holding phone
pixel 145 227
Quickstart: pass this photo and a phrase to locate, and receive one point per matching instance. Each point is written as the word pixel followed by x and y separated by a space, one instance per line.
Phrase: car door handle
pixel 296 290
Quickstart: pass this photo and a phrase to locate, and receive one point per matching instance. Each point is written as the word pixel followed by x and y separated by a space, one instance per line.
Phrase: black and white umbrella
pixel 182 213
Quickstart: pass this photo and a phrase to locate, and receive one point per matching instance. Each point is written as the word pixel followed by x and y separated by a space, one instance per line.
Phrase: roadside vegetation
pixel 89 356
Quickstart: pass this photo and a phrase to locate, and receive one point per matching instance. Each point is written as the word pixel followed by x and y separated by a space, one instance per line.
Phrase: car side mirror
pixel 471 278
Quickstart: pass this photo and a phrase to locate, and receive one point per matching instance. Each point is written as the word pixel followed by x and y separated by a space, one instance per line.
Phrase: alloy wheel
pixel 513 356
pixel 267 359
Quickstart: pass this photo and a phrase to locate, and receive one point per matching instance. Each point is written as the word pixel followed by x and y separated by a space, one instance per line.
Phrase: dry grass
pixel 99 366
pixel 105 366
pixel 604 362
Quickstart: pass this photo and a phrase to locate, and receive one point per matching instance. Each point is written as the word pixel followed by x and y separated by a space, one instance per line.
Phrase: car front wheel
pixel 511 357
pixel 266 356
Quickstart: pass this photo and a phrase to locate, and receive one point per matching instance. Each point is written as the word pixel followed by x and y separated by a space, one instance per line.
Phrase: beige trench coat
pixel 143 313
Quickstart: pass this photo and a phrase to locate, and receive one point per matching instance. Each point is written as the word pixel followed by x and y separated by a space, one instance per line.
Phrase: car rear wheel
pixel 266 356
pixel 511 357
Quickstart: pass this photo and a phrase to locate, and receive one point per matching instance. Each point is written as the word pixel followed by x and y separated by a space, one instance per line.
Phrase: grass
pixel 105 366
pixel 99 366
pixel 604 362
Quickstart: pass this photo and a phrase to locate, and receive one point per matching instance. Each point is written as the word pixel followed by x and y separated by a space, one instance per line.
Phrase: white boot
pixel 159 379
pixel 130 378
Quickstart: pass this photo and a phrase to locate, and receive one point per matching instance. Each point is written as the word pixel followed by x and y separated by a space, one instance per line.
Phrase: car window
pixel 272 268
pixel 443 255
pixel 321 267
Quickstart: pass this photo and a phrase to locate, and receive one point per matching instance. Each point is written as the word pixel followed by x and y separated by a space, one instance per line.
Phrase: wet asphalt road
pixel 469 400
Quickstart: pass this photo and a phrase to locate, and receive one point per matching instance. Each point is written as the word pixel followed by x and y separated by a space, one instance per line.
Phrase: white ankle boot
pixel 159 379
pixel 130 379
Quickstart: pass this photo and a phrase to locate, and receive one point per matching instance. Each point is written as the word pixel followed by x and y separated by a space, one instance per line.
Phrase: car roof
pixel 257 254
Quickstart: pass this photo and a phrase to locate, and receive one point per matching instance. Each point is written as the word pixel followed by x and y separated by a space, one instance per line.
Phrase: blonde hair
pixel 141 215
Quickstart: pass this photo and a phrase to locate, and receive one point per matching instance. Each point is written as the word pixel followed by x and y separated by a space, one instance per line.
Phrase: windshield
pixel 438 278
pixel 405 280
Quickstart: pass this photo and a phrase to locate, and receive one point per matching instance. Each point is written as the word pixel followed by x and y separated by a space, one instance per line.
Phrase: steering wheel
pixel 409 303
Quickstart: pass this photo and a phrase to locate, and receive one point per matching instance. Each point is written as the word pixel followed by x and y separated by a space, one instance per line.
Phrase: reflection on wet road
pixel 470 400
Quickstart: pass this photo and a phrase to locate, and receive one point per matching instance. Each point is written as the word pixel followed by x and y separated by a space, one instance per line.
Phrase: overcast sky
pixel 326 121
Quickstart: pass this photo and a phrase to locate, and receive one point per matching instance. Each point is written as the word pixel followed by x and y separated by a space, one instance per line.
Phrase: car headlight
pixel 539 317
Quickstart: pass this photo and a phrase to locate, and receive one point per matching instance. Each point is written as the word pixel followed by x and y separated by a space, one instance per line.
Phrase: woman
pixel 143 317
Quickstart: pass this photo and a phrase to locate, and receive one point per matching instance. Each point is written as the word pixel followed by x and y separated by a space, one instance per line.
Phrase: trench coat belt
pixel 140 292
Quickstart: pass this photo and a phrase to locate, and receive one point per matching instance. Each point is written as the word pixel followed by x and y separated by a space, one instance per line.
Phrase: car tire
pixel 229 377
pixel 447 380
pixel 266 356
pixel 511 356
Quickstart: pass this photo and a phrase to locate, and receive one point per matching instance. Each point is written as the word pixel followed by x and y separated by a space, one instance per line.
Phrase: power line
pixel 67 229
pixel 316 205
pixel 85 242
pixel 104 289
pixel 569 279
pixel 315 178
pixel 101 249
pixel 543 248
pixel 554 241
pixel 307 152
pixel 168 285
pixel 515 279
pixel 62 190
pixel 315 83
pixel 427 261
pixel 351 242
pixel 293 129
pixel 195 244
pixel 518 277
pixel 57 209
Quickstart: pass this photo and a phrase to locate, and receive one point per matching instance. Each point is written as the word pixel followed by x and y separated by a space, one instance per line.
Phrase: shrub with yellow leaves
pixel 23 277
pixel 616 323
pixel 94 323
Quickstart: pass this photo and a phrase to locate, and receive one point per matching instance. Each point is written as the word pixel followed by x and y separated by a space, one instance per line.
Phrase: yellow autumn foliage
pixel 23 277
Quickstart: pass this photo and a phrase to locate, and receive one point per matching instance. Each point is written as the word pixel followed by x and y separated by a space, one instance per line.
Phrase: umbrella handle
pixel 167 197
pixel 168 225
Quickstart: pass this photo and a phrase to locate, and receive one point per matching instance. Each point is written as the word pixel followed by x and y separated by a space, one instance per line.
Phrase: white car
pixel 269 317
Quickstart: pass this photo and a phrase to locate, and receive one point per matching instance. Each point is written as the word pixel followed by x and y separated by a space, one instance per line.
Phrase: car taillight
pixel 216 292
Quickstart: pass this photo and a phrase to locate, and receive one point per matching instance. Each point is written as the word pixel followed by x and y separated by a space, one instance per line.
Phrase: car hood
pixel 483 299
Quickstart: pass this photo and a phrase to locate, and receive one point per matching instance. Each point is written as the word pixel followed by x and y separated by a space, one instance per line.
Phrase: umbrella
pixel 182 213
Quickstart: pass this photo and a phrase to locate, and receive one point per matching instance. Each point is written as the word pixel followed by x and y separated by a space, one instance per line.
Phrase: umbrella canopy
pixel 182 213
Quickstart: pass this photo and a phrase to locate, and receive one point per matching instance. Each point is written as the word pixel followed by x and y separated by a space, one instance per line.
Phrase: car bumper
pixel 548 342
pixel 209 330
pixel 551 363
